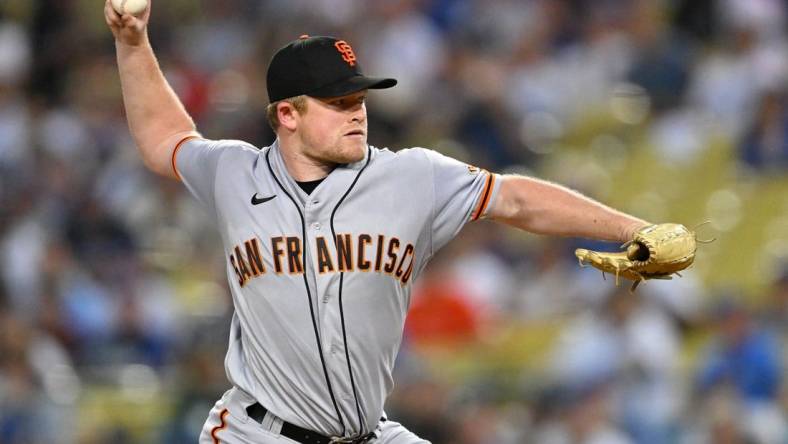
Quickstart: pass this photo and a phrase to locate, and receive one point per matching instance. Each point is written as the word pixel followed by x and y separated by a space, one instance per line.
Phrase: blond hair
pixel 298 102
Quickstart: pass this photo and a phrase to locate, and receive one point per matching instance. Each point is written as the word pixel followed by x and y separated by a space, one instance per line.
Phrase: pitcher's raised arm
pixel 157 118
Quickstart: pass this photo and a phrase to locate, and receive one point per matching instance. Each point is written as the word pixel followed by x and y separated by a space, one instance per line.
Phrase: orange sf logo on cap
pixel 347 52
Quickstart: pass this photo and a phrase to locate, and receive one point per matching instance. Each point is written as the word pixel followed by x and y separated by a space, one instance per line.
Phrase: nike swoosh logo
pixel 258 200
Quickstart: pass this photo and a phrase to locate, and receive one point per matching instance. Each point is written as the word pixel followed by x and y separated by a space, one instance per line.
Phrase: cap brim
pixel 352 85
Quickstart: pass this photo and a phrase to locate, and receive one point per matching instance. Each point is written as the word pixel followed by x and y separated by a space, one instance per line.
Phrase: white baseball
pixel 132 7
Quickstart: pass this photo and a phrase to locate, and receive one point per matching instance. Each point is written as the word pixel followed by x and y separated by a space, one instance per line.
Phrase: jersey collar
pixel 332 187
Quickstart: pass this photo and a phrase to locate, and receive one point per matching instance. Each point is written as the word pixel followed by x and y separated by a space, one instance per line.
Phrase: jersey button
pixel 316 226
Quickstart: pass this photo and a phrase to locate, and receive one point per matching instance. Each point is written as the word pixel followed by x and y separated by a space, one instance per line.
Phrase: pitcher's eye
pixel 347 102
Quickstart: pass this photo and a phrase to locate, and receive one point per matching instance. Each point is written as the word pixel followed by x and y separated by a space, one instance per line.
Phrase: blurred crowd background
pixel 114 311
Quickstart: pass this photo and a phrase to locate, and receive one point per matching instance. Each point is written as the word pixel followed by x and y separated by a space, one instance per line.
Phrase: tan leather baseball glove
pixel 655 252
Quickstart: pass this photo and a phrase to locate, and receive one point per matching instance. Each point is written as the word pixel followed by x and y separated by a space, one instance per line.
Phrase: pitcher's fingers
pixel 113 22
pixel 110 11
pixel 110 14
pixel 146 14
pixel 109 22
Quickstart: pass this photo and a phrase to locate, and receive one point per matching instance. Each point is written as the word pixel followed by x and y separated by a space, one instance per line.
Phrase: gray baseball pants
pixel 228 423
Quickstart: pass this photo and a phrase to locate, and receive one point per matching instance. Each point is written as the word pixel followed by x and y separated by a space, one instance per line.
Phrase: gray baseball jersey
pixel 321 283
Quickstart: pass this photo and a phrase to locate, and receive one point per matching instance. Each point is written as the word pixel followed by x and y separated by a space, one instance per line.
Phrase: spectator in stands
pixel 765 144
pixel 744 362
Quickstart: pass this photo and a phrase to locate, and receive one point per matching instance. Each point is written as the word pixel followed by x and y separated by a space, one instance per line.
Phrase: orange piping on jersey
pixel 486 194
pixel 220 427
pixel 175 151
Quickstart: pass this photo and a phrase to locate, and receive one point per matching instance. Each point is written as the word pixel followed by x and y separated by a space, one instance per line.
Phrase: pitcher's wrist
pixel 628 233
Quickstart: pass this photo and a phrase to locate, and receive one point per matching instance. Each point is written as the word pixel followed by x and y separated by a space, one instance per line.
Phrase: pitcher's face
pixel 334 129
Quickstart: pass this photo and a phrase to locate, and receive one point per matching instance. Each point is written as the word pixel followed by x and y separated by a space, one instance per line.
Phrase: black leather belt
pixel 257 412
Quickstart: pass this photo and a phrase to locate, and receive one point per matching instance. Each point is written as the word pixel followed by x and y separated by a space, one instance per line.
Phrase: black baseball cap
pixel 319 67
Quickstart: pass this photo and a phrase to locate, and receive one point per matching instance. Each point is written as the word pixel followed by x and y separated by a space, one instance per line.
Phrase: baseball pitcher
pixel 324 235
